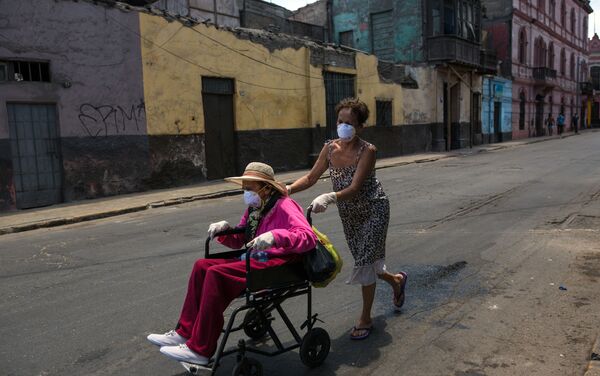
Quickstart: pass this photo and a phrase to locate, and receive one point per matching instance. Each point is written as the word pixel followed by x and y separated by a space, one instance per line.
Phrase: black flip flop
pixel 401 295
pixel 363 336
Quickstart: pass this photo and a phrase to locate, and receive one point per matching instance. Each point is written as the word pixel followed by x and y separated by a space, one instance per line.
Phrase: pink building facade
pixel 594 76
pixel 550 59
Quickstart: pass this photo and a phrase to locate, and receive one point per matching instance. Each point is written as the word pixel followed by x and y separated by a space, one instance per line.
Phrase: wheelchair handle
pixel 231 231
pixel 308 214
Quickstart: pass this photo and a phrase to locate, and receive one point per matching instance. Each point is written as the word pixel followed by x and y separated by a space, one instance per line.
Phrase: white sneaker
pixel 170 338
pixel 183 354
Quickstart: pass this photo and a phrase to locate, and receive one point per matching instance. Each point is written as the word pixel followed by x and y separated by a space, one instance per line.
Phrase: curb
pixel 231 192
pixel 111 213
pixel 593 368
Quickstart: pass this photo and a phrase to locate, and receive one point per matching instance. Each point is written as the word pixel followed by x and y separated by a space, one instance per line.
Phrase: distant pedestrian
pixel 574 122
pixel 550 124
pixel 560 123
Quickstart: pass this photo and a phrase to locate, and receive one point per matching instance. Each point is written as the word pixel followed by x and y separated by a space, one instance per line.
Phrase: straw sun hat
pixel 257 171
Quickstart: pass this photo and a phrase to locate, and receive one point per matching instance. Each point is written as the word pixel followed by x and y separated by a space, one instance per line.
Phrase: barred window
pixel 384 113
pixel 347 38
pixel 29 71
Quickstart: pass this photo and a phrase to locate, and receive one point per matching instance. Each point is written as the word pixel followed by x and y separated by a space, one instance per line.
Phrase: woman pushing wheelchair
pixel 276 231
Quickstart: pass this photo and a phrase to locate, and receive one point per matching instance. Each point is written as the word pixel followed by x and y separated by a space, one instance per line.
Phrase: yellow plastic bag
pixel 336 256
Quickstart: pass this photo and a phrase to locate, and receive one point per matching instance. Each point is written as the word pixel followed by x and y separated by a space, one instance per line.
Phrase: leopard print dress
pixel 365 220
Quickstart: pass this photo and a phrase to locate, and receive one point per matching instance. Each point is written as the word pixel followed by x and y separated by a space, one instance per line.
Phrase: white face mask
pixel 252 199
pixel 345 131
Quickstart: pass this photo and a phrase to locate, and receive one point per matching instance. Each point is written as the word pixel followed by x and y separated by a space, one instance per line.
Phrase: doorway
pixel 35 152
pixel 219 132
pixel 446 118
pixel 497 122
pixel 539 116
pixel 455 132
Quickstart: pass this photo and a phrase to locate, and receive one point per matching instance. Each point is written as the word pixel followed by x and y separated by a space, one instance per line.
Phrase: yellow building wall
pixel 276 89
pixel 370 88
pixel 420 105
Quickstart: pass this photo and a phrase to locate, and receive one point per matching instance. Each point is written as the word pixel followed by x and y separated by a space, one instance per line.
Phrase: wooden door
pixel 219 129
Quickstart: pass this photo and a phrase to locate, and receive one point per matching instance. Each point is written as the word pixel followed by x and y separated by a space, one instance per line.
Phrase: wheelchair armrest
pixel 231 231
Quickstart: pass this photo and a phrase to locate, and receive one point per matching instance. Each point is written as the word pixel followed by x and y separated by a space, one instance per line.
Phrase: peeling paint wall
pixel 276 88
pixel 271 88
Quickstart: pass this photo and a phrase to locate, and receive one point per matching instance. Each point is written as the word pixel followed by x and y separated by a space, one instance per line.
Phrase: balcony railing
pixel 544 75
pixel 451 48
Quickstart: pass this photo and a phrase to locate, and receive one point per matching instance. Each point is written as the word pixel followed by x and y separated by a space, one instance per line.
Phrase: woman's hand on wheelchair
pixel 262 242
pixel 217 227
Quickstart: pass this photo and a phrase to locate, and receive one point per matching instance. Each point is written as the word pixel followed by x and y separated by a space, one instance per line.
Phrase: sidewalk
pixel 79 211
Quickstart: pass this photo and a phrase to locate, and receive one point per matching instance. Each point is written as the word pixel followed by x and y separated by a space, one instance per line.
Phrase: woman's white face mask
pixel 252 199
pixel 345 131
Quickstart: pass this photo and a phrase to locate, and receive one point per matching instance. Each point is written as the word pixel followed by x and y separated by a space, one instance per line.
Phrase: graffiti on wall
pixel 104 120
pixel 415 117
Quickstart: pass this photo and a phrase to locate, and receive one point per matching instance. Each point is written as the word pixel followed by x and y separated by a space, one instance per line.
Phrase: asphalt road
pixel 487 240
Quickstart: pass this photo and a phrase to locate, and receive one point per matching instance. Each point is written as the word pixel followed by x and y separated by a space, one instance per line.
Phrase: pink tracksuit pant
pixel 213 285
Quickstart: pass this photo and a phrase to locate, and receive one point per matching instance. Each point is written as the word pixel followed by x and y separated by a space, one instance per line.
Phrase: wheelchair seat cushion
pixel 277 276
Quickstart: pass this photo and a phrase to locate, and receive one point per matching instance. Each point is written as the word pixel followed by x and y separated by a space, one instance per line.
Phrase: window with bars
pixel 384 113
pixel 522 46
pixel 347 38
pixel 18 70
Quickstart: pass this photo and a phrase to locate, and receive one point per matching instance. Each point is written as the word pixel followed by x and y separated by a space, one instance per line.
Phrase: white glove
pixel 217 227
pixel 319 204
pixel 262 242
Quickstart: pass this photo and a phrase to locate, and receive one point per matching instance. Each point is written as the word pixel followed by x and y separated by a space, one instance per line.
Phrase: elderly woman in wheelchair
pixel 276 232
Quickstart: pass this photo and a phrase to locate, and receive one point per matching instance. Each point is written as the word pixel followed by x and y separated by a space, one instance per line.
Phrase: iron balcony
pixel 450 48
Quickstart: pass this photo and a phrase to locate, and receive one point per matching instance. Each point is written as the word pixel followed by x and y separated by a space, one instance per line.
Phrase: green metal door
pixel 35 152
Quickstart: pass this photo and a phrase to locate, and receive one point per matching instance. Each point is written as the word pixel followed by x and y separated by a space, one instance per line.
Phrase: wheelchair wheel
pixel 248 367
pixel 255 326
pixel 315 347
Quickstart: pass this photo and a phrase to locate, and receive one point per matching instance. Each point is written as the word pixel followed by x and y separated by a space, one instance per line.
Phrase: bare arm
pixel 366 164
pixel 315 173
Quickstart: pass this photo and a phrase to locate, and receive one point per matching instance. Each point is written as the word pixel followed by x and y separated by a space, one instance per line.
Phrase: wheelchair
pixel 265 291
